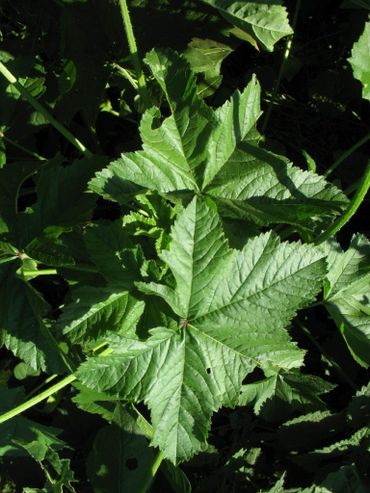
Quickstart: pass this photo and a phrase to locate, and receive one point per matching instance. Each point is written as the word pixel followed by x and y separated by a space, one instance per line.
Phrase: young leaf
pixel 347 297
pixel 234 307
pixel 360 61
pixel 205 57
pixel 266 21
pixel 283 392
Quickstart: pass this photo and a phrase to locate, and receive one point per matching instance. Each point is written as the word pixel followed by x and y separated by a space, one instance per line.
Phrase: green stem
pixel 282 67
pixel 44 395
pixel 333 363
pixel 346 154
pixel 126 74
pixel 37 399
pixel 41 109
pixel 150 475
pixel 351 210
pixel 45 382
pixel 43 272
pixel 141 82
pixel 24 149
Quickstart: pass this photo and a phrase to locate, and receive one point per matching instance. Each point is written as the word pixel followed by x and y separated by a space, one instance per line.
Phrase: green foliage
pixel 347 295
pixel 266 21
pixel 359 61
pixel 166 293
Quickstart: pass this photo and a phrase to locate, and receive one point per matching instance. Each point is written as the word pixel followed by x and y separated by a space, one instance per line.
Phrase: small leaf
pixel 360 61
pixel 347 298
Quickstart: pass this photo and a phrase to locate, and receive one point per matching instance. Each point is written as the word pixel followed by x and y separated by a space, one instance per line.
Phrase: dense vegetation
pixel 184 246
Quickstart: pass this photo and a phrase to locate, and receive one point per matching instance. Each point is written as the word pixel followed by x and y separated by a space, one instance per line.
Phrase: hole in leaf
pixel 208 370
pixel 131 464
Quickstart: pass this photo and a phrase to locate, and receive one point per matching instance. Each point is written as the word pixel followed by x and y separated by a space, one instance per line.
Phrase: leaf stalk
pixel 141 81
pixel 346 155
pixel 355 203
pixel 43 111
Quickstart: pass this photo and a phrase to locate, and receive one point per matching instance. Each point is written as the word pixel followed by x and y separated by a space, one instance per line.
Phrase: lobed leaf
pixel 233 308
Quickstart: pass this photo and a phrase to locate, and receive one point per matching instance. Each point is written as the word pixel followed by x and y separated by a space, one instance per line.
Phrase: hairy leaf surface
pixel 215 152
pixel 233 307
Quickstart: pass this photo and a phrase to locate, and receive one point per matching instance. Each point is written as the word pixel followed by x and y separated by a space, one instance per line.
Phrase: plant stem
pixel 45 382
pixel 150 475
pixel 351 210
pixel 44 395
pixel 287 50
pixel 333 363
pixel 346 154
pixel 24 149
pixel 37 399
pixel 41 109
pixel 126 74
pixel 42 272
pixel 141 82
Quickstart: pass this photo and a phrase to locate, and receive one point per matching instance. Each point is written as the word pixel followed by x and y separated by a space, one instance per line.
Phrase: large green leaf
pixel 22 329
pixel 360 61
pixel 233 307
pixel 211 152
pixel 347 295
pixel 265 20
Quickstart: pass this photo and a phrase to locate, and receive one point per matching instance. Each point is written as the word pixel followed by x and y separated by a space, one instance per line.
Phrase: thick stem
pixel 351 210
pixel 41 109
pixel 44 395
pixel 346 155
pixel 141 82
pixel 152 472
pixel 37 399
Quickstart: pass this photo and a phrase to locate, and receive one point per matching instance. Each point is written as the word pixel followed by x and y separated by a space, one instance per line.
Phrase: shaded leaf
pixel 347 295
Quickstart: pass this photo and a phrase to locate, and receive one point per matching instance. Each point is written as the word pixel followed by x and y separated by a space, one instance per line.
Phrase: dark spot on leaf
pixel 208 370
pixel 131 463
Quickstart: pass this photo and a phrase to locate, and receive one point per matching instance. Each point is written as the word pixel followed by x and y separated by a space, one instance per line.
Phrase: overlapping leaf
pixel 215 153
pixel 22 329
pixel 266 21
pixel 360 61
pixel 347 295
pixel 233 308
pixel 96 311
pixel 283 392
